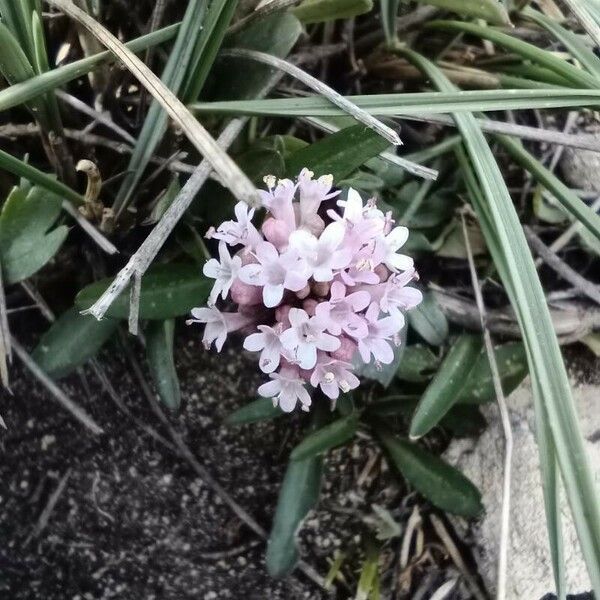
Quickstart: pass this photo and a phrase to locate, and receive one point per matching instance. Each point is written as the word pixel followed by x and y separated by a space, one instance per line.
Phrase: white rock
pixel 529 566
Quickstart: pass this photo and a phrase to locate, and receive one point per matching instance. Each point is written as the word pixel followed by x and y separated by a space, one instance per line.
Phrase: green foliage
pixel 317 11
pixel 338 154
pixel 489 10
pixel 429 321
pixel 334 434
pixel 168 291
pixel 27 240
pixel 71 341
pixel 257 411
pixel 298 494
pixel 445 387
pixel 159 352
pixel 418 364
pixel 441 484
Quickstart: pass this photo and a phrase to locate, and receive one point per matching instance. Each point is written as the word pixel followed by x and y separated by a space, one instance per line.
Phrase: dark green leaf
pixel 254 412
pixel 167 291
pixel 440 483
pixel 428 320
pixel 159 351
pixel 317 11
pixel 26 241
pixel 512 366
pixel 339 153
pixel 275 34
pixel 490 10
pixel 71 341
pixel 418 364
pixel 445 387
pixel 299 494
pixel 330 436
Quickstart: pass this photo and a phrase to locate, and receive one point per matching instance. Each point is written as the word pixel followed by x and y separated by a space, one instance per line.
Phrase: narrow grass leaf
pixel 159 352
pixel 29 89
pixel 443 391
pixel 225 167
pixel 578 49
pixel 567 198
pixel 155 123
pixel 71 341
pixel 524 49
pixel 389 12
pixel 551 384
pixel 419 103
pixel 24 170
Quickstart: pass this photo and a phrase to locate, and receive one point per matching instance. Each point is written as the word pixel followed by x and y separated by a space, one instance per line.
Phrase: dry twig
pixel 505 419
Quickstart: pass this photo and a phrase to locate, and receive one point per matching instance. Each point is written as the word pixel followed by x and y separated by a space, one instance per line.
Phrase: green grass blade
pixel 569 200
pixel 517 269
pixel 156 120
pixel 389 11
pixel 524 49
pixel 21 93
pixel 22 169
pixel 543 434
pixel 569 40
pixel 17 16
pixel 410 103
pixel 216 22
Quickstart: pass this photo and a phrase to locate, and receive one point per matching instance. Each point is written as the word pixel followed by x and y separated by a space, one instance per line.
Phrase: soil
pixel 134 520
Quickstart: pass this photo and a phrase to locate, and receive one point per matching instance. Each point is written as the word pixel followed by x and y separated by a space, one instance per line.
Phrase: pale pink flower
pixel 268 343
pixel 241 231
pixel 395 295
pixel 341 312
pixel 324 254
pixel 393 242
pixel 332 376
pixel 305 336
pixel 279 200
pixel 286 389
pixel 224 271
pixel 275 273
pixel 380 331
pixel 312 193
pixel 218 324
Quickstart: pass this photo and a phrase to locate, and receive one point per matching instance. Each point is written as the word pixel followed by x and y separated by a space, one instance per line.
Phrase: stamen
pixel 270 181
pixel 329 377
pixel 344 386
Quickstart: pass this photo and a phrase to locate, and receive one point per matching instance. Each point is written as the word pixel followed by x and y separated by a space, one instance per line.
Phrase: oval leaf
pixel 299 493
pixel 512 366
pixel 26 241
pixel 428 320
pixel 317 11
pixel 330 436
pixel 445 387
pixel 338 154
pixel 159 352
pixel 71 341
pixel 440 483
pixel 167 291
pixel 418 364
pixel 254 412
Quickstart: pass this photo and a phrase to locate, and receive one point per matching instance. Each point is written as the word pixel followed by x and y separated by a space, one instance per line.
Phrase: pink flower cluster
pixel 313 287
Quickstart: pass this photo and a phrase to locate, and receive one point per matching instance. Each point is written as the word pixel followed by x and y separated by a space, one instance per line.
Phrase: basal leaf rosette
pixel 321 280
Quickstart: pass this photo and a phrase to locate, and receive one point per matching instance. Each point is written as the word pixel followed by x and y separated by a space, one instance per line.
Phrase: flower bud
pixel 281 314
pixel 276 231
pixel 309 305
pixel 321 288
pixel 245 294
pixel 382 272
pixel 304 292
pixel 346 351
